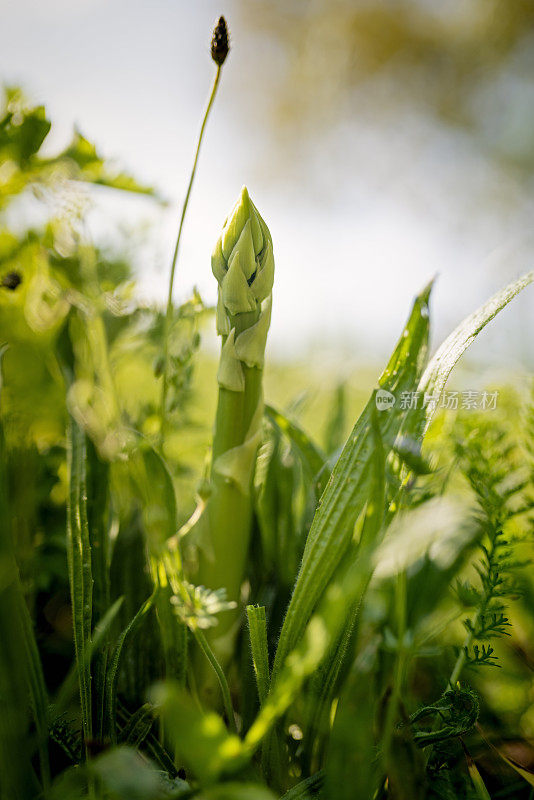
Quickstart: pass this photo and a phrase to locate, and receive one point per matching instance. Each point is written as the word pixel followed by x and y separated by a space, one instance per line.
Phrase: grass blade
pixel 154 485
pixel 306 789
pixel 99 638
pixel 36 684
pixel 221 677
pixel 478 782
pixel 329 677
pixel 114 665
pixel 138 726
pixel 79 561
pixel 97 509
pixel 257 626
pixel 20 663
pixel 150 743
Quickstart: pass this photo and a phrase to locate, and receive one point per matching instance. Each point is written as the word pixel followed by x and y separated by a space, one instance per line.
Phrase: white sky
pixel 361 220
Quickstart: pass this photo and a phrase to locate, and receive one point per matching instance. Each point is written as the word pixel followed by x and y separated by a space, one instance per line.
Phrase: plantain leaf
pixel 440 366
pixel 346 493
pixel 323 630
pixel 328 677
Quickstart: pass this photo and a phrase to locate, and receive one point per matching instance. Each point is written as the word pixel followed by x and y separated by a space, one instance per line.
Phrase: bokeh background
pixel 384 141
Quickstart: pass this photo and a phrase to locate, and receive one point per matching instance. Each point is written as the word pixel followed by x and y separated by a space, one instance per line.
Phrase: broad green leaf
pixel 321 632
pixel 153 483
pixel 346 493
pixel 22 135
pixel 280 502
pixel 327 679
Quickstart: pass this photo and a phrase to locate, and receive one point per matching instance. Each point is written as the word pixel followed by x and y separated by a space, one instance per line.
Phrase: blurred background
pixel 384 142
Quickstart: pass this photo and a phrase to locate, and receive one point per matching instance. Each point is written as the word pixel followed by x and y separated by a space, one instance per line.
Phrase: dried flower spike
pixel 11 281
pixel 220 44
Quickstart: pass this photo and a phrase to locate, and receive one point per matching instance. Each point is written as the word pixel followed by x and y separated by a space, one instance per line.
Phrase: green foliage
pixel 128 673
pixel 489 460
pixel 23 131
pixel 458 711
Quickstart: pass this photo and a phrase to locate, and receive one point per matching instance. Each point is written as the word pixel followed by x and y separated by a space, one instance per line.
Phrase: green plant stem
pixel 400 662
pixel 169 311
pixel 460 661
pixel 229 511
pixel 221 677
pixel 458 666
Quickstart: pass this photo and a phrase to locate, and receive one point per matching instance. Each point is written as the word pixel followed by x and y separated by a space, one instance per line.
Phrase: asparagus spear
pixel 243 265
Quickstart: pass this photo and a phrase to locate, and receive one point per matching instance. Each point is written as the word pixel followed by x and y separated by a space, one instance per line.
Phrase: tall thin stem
pixel 221 677
pixel 169 312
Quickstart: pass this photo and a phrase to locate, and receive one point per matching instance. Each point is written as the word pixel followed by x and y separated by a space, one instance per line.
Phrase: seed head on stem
pixel 220 43
pixel 219 51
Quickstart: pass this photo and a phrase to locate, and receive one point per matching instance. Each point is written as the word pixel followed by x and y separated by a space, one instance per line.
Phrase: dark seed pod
pixel 11 280
pixel 220 44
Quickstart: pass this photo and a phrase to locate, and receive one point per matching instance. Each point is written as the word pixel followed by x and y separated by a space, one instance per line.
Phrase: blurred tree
pixel 467 63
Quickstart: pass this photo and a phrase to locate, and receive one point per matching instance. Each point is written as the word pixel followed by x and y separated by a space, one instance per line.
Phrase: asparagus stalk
pixel 243 265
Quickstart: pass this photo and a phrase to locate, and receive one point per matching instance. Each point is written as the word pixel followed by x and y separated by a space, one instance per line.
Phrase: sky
pixel 359 224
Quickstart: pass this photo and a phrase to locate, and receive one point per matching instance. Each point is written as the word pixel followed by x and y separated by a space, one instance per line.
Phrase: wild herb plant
pixel 488 459
pixel 287 633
